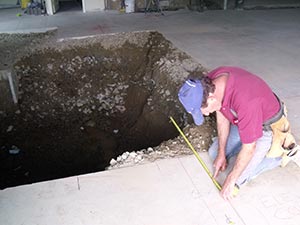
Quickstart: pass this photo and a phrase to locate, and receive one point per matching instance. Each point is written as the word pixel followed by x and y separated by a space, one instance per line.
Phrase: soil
pixel 83 102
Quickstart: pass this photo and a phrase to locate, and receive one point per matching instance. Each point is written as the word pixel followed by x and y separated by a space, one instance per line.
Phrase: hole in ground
pixel 82 103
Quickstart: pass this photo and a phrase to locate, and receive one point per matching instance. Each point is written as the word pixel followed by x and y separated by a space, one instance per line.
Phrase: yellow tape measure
pixel 235 190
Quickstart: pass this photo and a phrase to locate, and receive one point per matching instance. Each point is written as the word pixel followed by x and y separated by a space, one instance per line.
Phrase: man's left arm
pixel 241 163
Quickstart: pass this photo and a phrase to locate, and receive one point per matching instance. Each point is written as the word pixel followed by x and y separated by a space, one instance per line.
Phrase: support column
pixel 8 89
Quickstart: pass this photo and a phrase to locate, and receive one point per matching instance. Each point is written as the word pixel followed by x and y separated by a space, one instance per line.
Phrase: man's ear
pixel 211 97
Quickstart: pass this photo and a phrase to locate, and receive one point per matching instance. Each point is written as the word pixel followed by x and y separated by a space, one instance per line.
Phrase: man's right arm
pixel 223 126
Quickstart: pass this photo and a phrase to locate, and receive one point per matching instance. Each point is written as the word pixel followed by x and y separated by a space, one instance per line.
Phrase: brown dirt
pixel 84 102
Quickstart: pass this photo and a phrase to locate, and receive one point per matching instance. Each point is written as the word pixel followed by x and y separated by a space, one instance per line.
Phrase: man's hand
pixel 220 164
pixel 243 158
pixel 227 191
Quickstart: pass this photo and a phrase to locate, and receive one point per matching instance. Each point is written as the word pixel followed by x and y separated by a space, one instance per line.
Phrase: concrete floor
pixel 175 191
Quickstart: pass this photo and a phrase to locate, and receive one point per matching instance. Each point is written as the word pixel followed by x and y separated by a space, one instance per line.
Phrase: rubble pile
pixel 167 149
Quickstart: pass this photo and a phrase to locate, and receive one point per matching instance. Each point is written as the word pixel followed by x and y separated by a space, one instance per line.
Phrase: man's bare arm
pixel 243 159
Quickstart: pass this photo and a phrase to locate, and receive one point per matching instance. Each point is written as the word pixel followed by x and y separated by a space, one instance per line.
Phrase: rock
pixel 125 155
pixel 9 129
pixel 149 149
pixel 50 66
pixel 14 150
pixel 137 158
pixel 113 162
pixel 133 154
pixel 79 104
pixel 119 158
pixel 90 123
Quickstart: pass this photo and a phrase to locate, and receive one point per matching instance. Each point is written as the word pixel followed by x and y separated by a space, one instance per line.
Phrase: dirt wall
pixel 85 101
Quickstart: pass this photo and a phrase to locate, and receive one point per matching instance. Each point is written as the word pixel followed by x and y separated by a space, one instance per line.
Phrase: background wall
pixel 140 5
pixel 93 5
pixel 10 2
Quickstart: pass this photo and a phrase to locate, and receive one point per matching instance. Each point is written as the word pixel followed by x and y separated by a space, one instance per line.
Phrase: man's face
pixel 212 106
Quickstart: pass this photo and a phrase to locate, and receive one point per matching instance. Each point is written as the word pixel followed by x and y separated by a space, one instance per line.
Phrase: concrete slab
pixel 169 191
pixel 148 194
pixel 31 30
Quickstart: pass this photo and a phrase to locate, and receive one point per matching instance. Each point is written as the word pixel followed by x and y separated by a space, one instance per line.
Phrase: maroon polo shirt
pixel 248 102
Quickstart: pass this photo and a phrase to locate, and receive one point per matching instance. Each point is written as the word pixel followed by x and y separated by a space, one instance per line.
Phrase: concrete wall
pixel 8 2
pixel 210 4
pixel 231 4
pixel 93 5
pixel 140 5
pixel 52 6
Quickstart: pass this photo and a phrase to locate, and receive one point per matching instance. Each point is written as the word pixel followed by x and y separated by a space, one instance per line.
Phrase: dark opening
pixel 82 105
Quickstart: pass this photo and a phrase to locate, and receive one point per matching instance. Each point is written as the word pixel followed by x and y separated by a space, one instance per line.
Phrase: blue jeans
pixel 259 162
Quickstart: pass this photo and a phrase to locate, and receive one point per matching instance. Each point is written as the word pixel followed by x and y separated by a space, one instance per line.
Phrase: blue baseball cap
pixel 190 95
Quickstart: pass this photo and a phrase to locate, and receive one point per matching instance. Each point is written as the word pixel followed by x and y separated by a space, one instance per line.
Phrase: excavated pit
pixel 83 102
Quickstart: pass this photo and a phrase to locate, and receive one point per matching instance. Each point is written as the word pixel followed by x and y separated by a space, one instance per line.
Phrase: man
pixel 251 120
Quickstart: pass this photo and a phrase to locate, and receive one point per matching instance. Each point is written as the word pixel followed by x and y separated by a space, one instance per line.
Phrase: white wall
pixel 51 6
pixel 93 5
